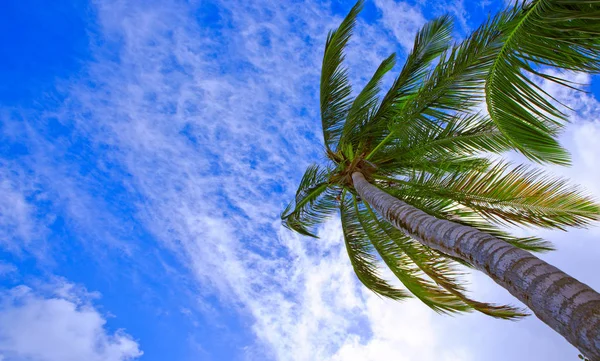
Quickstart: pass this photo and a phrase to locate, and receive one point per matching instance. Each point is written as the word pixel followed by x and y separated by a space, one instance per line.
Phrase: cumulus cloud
pixel 60 326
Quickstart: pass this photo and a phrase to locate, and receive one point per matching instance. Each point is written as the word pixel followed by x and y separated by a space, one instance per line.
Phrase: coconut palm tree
pixel 413 174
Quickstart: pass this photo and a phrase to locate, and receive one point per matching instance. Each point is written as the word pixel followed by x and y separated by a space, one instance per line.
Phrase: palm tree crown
pixel 428 142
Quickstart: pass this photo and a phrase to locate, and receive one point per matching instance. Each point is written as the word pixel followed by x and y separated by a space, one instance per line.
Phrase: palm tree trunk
pixel 570 307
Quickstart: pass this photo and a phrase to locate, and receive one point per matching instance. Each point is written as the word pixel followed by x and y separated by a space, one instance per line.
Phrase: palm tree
pixel 413 176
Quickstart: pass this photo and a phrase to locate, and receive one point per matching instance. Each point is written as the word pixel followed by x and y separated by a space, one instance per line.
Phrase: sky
pixel 147 148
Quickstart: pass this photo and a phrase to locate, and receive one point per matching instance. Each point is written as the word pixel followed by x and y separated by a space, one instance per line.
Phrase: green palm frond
pixel 446 208
pixel 315 201
pixel 510 195
pixel 364 104
pixel 335 87
pixel 561 34
pixel 434 164
pixel 462 135
pixel 360 251
pixel 447 293
pixel 431 41
pixel 454 85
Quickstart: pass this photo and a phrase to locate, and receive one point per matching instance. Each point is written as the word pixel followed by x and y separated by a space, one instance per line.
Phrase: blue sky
pixel 146 151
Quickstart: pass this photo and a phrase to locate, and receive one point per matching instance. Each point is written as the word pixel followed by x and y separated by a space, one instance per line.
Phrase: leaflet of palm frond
pixel 435 164
pixel 532 244
pixel 335 92
pixel 456 82
pixel 315 201
pixel 361 253
pixel 542 33
pixel 511 195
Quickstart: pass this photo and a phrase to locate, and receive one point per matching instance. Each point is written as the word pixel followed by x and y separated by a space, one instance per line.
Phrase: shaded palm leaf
pixel 360 251
pixel 315 201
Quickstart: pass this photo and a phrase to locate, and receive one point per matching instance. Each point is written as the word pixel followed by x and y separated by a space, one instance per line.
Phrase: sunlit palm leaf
pixel 446 208
pixel 462 135
pixel 335 87
pixel 511 195
pixel 364 104
pixel 431 41
pixel 558 33
pixel 454 85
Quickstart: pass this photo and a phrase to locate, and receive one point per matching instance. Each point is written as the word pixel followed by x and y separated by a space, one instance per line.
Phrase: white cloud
pixel 63 326
pixel 7 269
pixel 16 214
pixel 402 19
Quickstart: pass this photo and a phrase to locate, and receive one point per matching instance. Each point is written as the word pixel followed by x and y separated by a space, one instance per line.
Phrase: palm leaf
pixel 449 296
pixel 446 208
pixel 315 201
pixel 360 251
pixel 454 85
pixel 510 195
pixel 463 135
pixel 431 41
pixel 335 87
pixel 557 33
pixel 363 104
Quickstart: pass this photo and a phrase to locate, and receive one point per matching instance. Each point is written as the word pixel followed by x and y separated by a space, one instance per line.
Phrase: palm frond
pixel 561 34
pixel 454 85
pixel 360 251
pixel 315 201
pixel 364 104
pixel 335 86
pixel 431 41
pixel 446 208
pixel 510 195
pixel 462 135
pixel 397 165
pixel 449 295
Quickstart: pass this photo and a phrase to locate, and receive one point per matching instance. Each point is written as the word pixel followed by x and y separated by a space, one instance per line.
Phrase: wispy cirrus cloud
pixel 212 127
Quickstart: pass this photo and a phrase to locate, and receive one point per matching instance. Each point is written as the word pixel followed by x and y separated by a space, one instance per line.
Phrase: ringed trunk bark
pixel 568 306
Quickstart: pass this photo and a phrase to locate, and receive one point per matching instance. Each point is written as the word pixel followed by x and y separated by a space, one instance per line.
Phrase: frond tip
pixel 315 201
